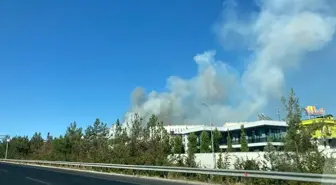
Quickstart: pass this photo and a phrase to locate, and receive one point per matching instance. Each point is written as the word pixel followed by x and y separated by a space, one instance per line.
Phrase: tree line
pixel 148 143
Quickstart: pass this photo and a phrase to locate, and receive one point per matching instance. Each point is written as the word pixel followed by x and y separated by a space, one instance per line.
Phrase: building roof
pixel 185 129
pixel 329 120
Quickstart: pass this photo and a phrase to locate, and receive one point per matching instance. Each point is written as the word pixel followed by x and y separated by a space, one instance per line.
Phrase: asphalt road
pixel 15 174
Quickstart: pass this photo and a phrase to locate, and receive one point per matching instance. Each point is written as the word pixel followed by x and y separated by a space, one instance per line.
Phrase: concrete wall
pixel 205 160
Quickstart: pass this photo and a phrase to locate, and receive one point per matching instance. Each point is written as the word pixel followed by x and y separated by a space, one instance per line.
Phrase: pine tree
pixel 293 121
pixel 36 143
pixel 96 139
pixel 118 129
pixel 121 152
pixel 153 121
pixel 73 139
pixel 115 139
pixel 220 160
pixel 217 139
pixel 298 143
pixel 300 153
pixel 19 148
pixel 192 149
pixel 46 150
pixel 204 142
pixel 177 145
pixel 136 141
pixel 228 142
pixel 243 142
pixel 178 149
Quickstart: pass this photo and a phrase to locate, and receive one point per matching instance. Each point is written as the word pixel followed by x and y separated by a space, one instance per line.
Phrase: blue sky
pixel 62 61
pixel 73 60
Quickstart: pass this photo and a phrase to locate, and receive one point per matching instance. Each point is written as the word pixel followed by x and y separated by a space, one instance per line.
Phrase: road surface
pixel 15 174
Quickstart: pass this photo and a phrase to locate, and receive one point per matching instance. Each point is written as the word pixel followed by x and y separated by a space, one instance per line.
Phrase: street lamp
pixel 7 148
pixel 7 140
pixel 212 136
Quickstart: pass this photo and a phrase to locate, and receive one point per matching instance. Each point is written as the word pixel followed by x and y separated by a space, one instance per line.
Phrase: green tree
pixel 59 149
pixel 73 142
pixel 96 139
pixel 228 142
pixel 157 148
pixel 204 142
pixel 19 148
pixel 177 145
pixel 120 150
pixel 164 146
pixel 220 160
pixel 243 142
pixel 115 135
pixel 217 139
pixel 36 143
pixel 136 145
pixel 302 154
pixel 153 122
pixel 46 150
pixel 293 120
pixel 118 129
pixel 178 149
pixel 192 149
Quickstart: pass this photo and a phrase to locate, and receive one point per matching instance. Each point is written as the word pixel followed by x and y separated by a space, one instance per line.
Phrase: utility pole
pixel 7 148
pixel 7 142
pixel 212 136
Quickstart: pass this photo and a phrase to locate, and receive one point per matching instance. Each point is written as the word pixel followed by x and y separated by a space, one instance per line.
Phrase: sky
pixel 64 61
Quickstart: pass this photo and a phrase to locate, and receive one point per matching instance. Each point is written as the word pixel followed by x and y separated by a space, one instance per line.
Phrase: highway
pixel 15 174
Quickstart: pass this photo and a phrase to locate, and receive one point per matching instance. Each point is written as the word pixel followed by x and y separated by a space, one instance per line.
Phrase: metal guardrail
pixel 292 176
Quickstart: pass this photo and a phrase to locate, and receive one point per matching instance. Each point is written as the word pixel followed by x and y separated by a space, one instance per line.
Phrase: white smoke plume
pixel 278 35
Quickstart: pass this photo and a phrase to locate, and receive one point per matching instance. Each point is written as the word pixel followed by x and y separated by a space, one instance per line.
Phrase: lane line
pixel 3 170
pixel 39 181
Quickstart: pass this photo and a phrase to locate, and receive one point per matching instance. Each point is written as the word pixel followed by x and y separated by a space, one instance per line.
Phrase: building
pixel 326 134
pixel 256 133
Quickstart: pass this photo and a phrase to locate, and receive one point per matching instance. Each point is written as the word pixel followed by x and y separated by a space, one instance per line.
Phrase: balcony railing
pixel 256 140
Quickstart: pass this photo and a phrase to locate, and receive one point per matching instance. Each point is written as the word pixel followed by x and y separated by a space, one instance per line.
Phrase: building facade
pixel 326 134
pixel 256 133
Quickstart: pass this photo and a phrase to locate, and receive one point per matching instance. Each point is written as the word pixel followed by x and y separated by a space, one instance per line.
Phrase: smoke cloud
pixel 278 36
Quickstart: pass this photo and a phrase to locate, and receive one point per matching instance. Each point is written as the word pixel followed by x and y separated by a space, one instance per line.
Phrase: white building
pixel 256 133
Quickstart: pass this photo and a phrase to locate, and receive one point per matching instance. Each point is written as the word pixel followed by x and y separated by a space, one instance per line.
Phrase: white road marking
pixel 39 181
pixel 3 170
